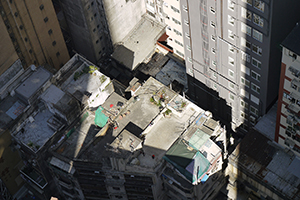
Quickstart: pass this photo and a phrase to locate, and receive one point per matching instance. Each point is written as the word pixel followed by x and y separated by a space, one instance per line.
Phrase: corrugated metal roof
pixel 269 163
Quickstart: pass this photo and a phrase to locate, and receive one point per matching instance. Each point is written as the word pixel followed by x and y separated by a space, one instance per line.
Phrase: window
pixel 231 34
pixel 230 73
pixel 214 63
pixel 185 8
pixel 231 85
pixel 231 96
pixel 213 38
pixel 252 119
pixel 231 61
pixel 53 43
pixel 177 32
pixel 175 9
pixel 231 20
pixel 245 69
pixel 50 31
pixel 245 82
pixel 186 22
pixel 258 4
pixel 244 105
pixel 179 43
pixel 230 5
pixel 255 88
pixel 46 19
pixel 187 35
pixel 190 59
pixel 179 53
pixel 256 63
pixel 245 43
pixel 256 49
pixel 97 41
pixel 245 29
pixel 253 110
pixel 255 75
pixel 21 27
pixel 41 7
pixel 213 24
pixel 248 2
pixel 57 54
pixel 245 93
pixel 176 21
pixel 215 86
pixel 257 35
pixel 214 74
pixel 230 49
pixel 188 47
pixel 246 14
pixel 212 10
pixel 213 50
pixel 294 86
pixel 244 115
pixel 30 50
pixel 100 52
pixel 258 20
pixel 245 56
pixel 94 30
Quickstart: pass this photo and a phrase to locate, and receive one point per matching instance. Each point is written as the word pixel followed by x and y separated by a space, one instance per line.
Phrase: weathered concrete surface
pixel 122 16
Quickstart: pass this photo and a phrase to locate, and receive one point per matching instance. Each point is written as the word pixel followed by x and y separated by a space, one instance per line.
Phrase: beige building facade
pixel 33 32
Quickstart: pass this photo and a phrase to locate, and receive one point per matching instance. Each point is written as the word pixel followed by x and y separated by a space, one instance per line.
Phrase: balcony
pixel 34 176
pixel 294 71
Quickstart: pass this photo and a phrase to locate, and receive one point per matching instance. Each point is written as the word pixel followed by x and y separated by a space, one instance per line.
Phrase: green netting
pixel 100 117
pixel 198 139
pixel 70 132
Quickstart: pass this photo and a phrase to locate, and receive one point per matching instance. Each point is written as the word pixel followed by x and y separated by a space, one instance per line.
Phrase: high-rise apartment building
pixel 287 123
pixel 34 34
pixel 168 12
pixel 95 26
pixel 232 53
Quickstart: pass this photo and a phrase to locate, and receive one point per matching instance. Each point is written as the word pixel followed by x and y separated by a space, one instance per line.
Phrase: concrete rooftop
pixel 35 133
pixel 140 130
pixel 139 43
pixel 269 163
pixel 266 125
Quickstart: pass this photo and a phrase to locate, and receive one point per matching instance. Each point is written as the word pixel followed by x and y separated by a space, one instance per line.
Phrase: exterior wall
pixel 7 50
pixel 172 11
pixel 88 28
pixel 122 16
pixel 288 122
pixel 35 32
pixel 10 164
pixel 155 9
pixel 239 73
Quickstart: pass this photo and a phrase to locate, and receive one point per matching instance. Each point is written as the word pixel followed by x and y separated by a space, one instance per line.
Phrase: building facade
pixel 96 26
pixel 34 33
pixel 232 55
pixel 168 12
pixel 287 122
